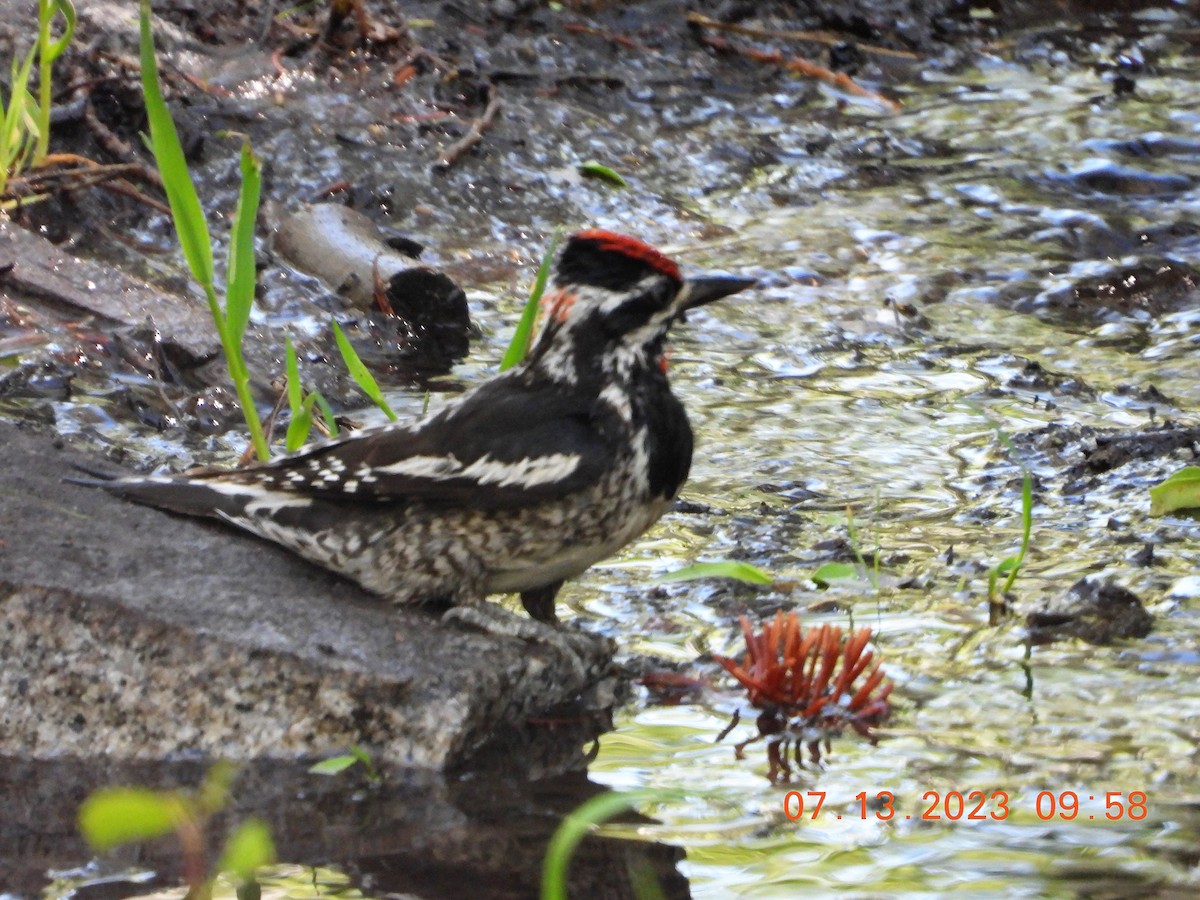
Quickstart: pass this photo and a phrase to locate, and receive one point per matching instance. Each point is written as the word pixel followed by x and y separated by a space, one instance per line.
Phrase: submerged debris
pixel 804 683
pixel 1098 611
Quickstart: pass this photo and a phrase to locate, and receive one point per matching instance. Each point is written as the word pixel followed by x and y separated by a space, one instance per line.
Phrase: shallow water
pixel 1002 181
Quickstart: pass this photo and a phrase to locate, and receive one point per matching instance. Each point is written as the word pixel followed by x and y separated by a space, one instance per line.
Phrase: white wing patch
pixel 485 470
pixel 527 472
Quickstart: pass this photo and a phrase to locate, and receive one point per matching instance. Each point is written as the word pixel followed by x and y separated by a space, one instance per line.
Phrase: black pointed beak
pixel 707 288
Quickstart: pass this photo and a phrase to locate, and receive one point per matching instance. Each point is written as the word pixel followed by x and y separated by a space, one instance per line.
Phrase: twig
pixel 619 39
pixel 474 134
pixel 817 37
pixel 805 67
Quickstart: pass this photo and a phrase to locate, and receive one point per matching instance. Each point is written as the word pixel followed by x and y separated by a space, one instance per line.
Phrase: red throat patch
pixel 634 249
pixel 558 305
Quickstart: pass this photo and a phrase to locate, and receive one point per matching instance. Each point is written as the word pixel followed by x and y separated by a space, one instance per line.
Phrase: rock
pixel 138 635
pixel 1093 610
pixel 42 275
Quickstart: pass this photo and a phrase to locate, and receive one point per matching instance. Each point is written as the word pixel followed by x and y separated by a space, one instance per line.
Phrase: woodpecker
pixel 515 486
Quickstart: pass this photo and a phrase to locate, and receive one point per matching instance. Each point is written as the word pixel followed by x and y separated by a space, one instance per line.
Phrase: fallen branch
pixel 805 67
pixel 474 134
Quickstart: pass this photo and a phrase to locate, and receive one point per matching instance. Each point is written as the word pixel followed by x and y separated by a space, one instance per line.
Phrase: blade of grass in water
pixel 518 347
pixel 359 373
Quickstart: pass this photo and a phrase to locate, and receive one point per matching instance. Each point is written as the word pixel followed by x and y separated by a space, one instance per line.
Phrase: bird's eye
pixel 639 309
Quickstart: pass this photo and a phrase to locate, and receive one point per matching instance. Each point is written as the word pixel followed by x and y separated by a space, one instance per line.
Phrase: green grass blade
pixel 363 378
pixel 1026 530
pixel 301 425
pixel 294 390
pixel 190 224
pixel 518 347
pixel 578 823
pixel 239 292
pixel 48 52
pixel 18 130
pixel 326 413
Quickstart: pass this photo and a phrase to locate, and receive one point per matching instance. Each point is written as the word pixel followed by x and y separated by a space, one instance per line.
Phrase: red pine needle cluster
pixel 804 683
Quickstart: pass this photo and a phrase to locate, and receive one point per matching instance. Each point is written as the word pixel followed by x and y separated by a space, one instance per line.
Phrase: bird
pixel 516 485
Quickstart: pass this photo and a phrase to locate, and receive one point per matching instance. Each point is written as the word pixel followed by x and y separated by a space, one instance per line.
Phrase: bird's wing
pixel 503 445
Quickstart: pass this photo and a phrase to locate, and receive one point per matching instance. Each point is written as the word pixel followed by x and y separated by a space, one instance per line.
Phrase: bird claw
pixel 585 655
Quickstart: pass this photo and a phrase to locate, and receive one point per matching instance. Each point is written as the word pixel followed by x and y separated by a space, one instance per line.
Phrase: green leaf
pixel 1180 491
pixel 301 425
pixel 601 172
pixel 218 781
pixel 739 571
pixel 518 347
pixel 578 823
pixel 292 366
pixel 334 765
pixel 47 10
pixel 239 292
pixel 248 849
pixel 114 816
pixel 359 372
pixel 831 572
pixel 326 413
pixel 48 51
pixel 190 224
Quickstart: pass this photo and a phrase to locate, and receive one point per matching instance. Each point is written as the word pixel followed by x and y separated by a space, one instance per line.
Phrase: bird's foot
pixel 586 655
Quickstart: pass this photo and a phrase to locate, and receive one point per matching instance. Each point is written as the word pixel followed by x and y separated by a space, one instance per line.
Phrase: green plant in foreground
pixel 48 50
pixel 335 765
pixel 18 123
pixel 194 237
pixel 301 406
pixel 359 372
pixel 113 816
pixel 24 119
pixel 582 820
pixel 1180 490
pixel 518 347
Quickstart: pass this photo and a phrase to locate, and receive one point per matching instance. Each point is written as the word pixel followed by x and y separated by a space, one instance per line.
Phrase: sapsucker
pixel 524 481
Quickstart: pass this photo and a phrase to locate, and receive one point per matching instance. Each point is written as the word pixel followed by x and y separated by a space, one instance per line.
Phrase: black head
pixel 616 288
